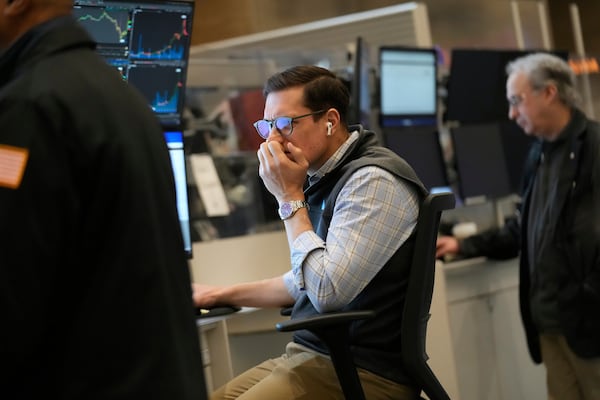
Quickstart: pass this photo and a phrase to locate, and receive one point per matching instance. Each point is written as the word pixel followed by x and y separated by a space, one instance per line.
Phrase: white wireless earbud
pixel 329 126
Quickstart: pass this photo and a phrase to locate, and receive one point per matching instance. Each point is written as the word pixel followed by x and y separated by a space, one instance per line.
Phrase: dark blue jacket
pixel 575 220
pixel 95 294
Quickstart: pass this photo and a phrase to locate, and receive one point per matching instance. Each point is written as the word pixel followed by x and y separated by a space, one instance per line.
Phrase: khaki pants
pixel 568 376
pixel 304 374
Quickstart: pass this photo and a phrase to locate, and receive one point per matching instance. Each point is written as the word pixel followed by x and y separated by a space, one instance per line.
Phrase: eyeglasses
pixel 284 125
pixel 516 99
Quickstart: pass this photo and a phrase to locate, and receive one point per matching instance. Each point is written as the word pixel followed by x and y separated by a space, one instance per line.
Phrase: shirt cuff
pixel 288 280
pixel 304 244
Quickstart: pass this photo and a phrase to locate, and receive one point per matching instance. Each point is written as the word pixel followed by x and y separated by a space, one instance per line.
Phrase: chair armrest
pixel 323 320
pixel 286 311
pixel 333 329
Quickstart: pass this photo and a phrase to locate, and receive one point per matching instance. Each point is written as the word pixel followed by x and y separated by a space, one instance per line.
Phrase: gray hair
pixel 543 69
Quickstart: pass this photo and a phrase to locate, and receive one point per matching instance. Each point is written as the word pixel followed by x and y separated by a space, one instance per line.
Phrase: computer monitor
pixel 174 141
pixel 477 84
pixel 420 147
pixel 360 86
pixel 148 43
pixel 407 86
pixel 480 162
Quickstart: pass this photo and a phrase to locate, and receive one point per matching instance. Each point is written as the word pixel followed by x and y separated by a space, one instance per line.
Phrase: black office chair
pixel 333 328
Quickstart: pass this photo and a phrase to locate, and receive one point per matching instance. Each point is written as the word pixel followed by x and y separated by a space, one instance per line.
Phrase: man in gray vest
pixel 349 207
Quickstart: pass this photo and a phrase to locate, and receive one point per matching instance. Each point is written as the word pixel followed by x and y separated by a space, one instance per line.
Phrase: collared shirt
pixel 374 214
pixel 546 260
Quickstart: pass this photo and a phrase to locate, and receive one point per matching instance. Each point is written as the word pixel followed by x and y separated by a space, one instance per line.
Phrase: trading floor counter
pixel 492 360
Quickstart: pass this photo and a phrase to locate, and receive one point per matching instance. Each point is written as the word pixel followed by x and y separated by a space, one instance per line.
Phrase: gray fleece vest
pixel 375 343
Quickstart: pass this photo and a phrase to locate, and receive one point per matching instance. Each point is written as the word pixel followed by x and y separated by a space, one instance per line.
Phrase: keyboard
pixel 216 311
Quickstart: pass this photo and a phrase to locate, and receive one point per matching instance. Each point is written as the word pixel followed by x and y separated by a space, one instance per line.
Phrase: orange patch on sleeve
pixel 12 165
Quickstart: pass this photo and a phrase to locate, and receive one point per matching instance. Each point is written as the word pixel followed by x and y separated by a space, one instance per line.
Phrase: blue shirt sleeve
pixel 374 214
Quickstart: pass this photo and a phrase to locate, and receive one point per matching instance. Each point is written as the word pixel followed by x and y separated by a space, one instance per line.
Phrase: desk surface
pixel 479 276
pixel 463 263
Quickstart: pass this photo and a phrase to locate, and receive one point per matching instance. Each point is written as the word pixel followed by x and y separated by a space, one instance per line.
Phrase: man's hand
pixel 205 296
pixel 283 170
pixel 446 245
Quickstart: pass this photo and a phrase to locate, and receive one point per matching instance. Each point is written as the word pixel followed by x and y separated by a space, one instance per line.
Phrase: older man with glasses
pixel 558 230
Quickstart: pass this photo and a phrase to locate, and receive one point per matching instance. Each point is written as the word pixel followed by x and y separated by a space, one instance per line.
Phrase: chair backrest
pixel 419 294
pixel 333 328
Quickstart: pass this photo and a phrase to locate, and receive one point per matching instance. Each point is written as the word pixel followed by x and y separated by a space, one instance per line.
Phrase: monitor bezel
pixel 187 235
pixel 395 138
pixel 360 87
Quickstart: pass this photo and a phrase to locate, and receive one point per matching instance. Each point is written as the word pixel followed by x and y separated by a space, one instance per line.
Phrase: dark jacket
pixel 95 294
pixel 575 220
pixel 375 343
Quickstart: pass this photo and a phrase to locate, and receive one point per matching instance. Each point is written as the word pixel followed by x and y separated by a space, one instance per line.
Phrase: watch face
pixel 285 210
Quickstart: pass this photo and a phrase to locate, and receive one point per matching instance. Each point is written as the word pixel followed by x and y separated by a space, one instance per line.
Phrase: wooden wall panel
pixel 223 19
pixel 219 19
pixel 451 22
pixel 562 29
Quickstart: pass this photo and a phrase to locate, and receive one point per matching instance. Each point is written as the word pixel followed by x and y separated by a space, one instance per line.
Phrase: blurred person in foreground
pixel 95 291
pixel 349 208
pixel 557 230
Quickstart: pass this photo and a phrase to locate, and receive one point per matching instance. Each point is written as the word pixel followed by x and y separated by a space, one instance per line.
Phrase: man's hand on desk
pixel 209 302
pixel 446 245
pixel 205 296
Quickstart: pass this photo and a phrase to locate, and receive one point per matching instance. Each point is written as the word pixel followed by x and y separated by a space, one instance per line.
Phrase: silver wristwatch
pixel 288 209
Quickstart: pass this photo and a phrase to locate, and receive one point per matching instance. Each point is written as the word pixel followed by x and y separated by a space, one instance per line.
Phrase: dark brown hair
pixel 322 89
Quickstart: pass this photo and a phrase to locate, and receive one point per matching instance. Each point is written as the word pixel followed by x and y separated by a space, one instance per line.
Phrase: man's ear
pixel 551 92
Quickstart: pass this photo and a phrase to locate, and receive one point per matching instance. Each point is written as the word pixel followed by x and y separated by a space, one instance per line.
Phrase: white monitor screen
pixel 408 78
pixel 174 141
